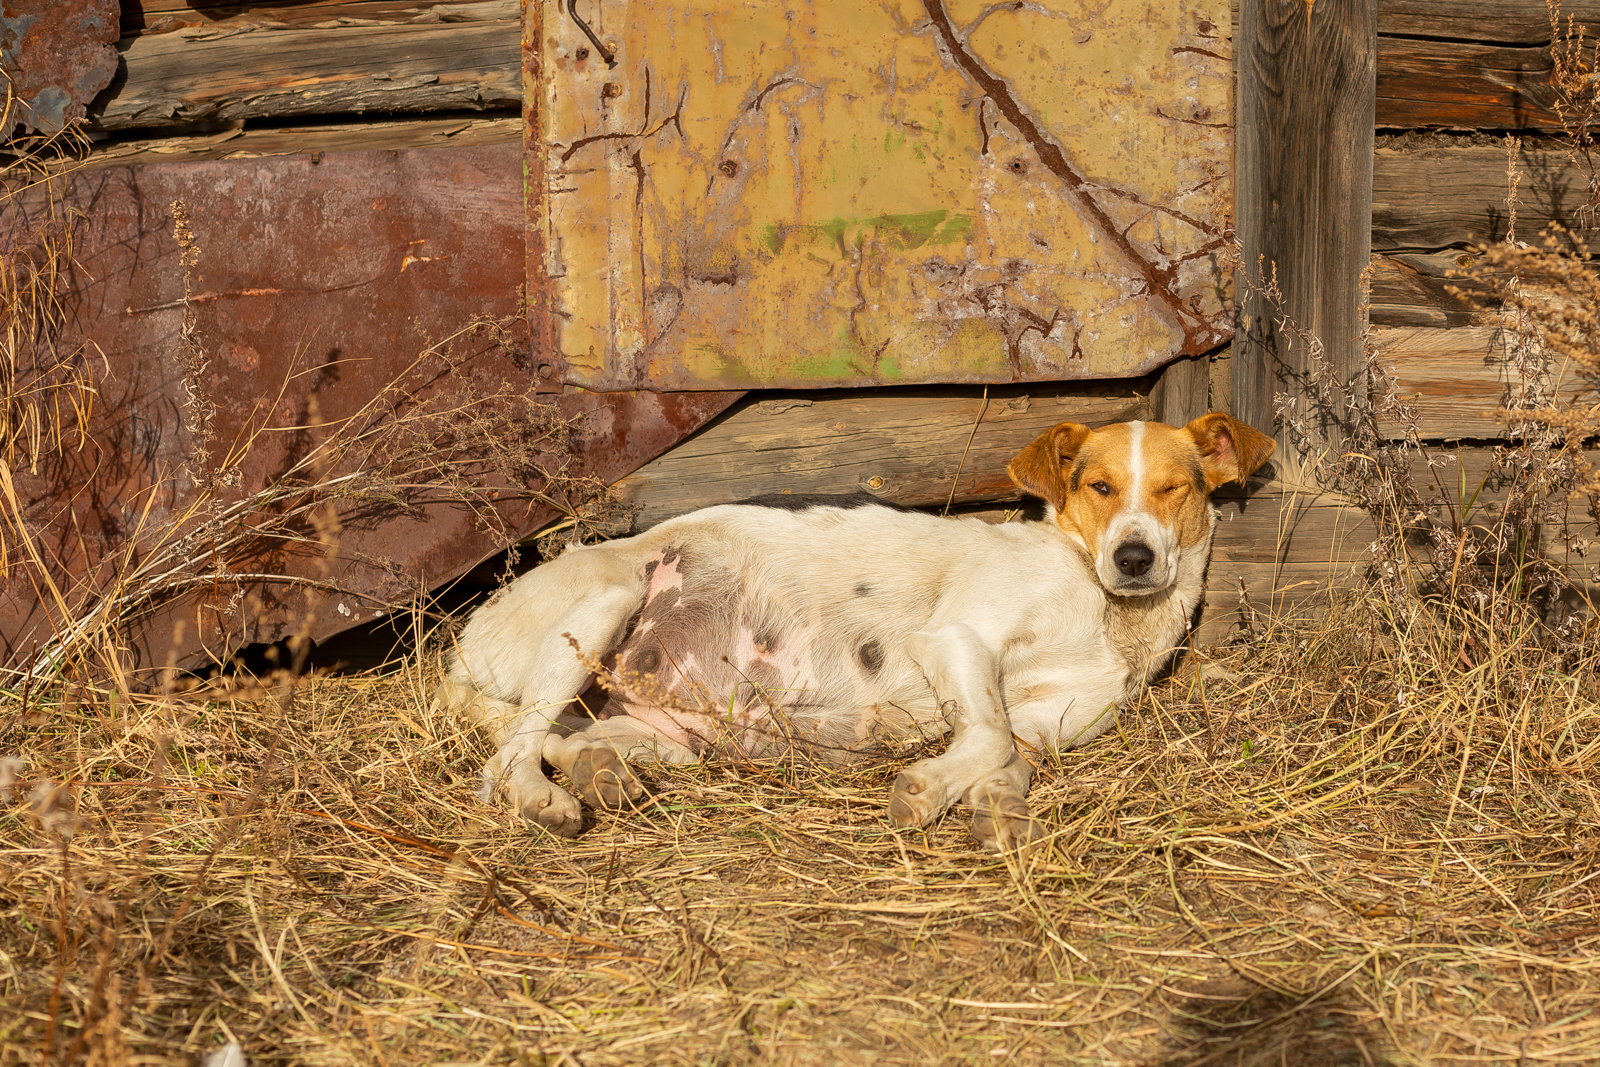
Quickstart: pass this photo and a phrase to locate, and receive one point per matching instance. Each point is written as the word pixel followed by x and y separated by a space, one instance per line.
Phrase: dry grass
pixel 1376 851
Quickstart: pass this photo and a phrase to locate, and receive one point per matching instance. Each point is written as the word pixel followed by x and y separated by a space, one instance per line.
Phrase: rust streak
pixel 1158 280
pixel 1200 52
pixel 644 131
pixel 207 297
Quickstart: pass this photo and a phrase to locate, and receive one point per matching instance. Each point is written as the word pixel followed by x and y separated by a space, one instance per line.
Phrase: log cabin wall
pixel 422 87
pixel 1454 87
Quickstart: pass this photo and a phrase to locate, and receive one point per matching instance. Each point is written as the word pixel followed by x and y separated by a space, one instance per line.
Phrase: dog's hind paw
pixel 551 807
pixel 1001 822
pixel 917 797
pixel 602 778
pixel 534 797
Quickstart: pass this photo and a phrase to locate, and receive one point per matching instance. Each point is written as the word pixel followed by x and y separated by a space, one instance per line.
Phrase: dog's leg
pixel 595 759
pixel 1001 820
pixel 980 765
pixel 554 680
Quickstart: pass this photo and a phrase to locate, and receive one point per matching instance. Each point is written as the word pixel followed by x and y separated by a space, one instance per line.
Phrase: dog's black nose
pixel 1133 558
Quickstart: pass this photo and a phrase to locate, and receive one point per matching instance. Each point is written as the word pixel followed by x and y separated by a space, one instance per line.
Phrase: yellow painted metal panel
pixel 857 193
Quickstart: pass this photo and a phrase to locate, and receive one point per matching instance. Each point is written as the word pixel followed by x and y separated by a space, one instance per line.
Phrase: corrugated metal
pixel 58 55
pixel 836 193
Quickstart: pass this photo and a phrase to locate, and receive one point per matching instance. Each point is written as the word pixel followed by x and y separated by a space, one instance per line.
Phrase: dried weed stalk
pixel 1575 76
pixel 46 390
pixel 1477 555
pixel 433 435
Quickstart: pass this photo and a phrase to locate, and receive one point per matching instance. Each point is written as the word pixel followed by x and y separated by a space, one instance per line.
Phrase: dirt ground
pixel 1357 852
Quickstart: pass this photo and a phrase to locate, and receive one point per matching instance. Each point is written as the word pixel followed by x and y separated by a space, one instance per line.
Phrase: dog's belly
pixel 721 663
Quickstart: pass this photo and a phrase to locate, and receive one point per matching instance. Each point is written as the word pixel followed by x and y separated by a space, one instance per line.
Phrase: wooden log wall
pixel 202 62
pixel 208 80
pixel 1454 81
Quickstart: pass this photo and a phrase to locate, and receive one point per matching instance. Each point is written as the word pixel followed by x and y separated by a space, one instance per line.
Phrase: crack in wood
pixel 1198 331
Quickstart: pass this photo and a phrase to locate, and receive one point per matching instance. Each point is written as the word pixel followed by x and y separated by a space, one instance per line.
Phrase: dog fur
pixel 837 627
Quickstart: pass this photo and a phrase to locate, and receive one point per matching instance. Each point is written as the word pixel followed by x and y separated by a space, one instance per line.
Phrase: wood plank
pixel 168 16
pixel 902 447
pixel 1306 83
pixel 176 78
pixel 1502 21
pixel 242 143
pixel 1268 593
pixel 1432 193
pixel 1414 289
pixel 1312 527
pixel 1456 379
pixel 1182 393
pixel 1458 85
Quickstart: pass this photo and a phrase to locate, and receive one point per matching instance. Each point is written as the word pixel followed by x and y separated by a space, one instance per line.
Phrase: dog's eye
pixel 1100 487
pixel 1175 488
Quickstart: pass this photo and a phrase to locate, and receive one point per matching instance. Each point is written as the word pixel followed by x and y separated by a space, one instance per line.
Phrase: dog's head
pixel 1137 494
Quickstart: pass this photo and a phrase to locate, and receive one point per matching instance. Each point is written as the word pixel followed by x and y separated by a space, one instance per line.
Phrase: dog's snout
pixel 1133 558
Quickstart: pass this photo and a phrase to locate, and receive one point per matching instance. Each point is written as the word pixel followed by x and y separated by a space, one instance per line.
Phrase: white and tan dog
pixel 838 626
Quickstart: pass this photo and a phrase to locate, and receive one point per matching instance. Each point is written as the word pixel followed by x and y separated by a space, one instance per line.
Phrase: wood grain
pixel 1458 378
pixel 168 16
pixel 175 78
pixel 910 448
pixel 1182 391
pixel 1459 85
pixel 1438 196
pixel 1501 21
pixel 392 136
pixel 1306 85
pixel 1415 289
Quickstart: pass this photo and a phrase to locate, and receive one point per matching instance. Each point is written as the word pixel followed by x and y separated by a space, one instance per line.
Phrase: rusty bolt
pixel 546 370
pixel 610 90
pixel 875 482
pixel 728 167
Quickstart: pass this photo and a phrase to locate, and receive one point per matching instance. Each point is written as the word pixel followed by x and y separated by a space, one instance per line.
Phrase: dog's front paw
pixel 602 778
pixel 1001 821
pixel 534 797
pixel 919 796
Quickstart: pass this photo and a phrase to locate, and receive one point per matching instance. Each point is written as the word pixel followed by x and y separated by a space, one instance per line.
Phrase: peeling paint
pixel 56 59
pixel 900 191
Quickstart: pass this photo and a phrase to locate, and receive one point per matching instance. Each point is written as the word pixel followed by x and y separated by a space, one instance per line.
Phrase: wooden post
pixel 1307 85
pixel 1182 393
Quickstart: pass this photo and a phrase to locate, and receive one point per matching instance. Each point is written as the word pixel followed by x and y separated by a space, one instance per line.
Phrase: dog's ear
pixel 1230 451
pixel 1041 468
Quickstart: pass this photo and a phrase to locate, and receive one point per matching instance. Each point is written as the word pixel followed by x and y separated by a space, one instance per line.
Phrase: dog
pixel 840 625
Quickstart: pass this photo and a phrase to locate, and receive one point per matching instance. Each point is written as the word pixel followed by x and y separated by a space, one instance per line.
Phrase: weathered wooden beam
pixel 1502 21
pixel 1417 289
pixel 1460 85
pixel 1182 392
pixel 227 16
pixel 1456 379
pixel 1306 85
pixel 1433 193
pixel 905 448
pixel 174 78
pixel 318 140
pixel 922 449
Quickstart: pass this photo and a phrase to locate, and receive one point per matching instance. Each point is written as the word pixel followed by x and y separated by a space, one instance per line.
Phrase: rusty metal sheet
pixel 58 55
pixel 844 193
pixel 319 276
